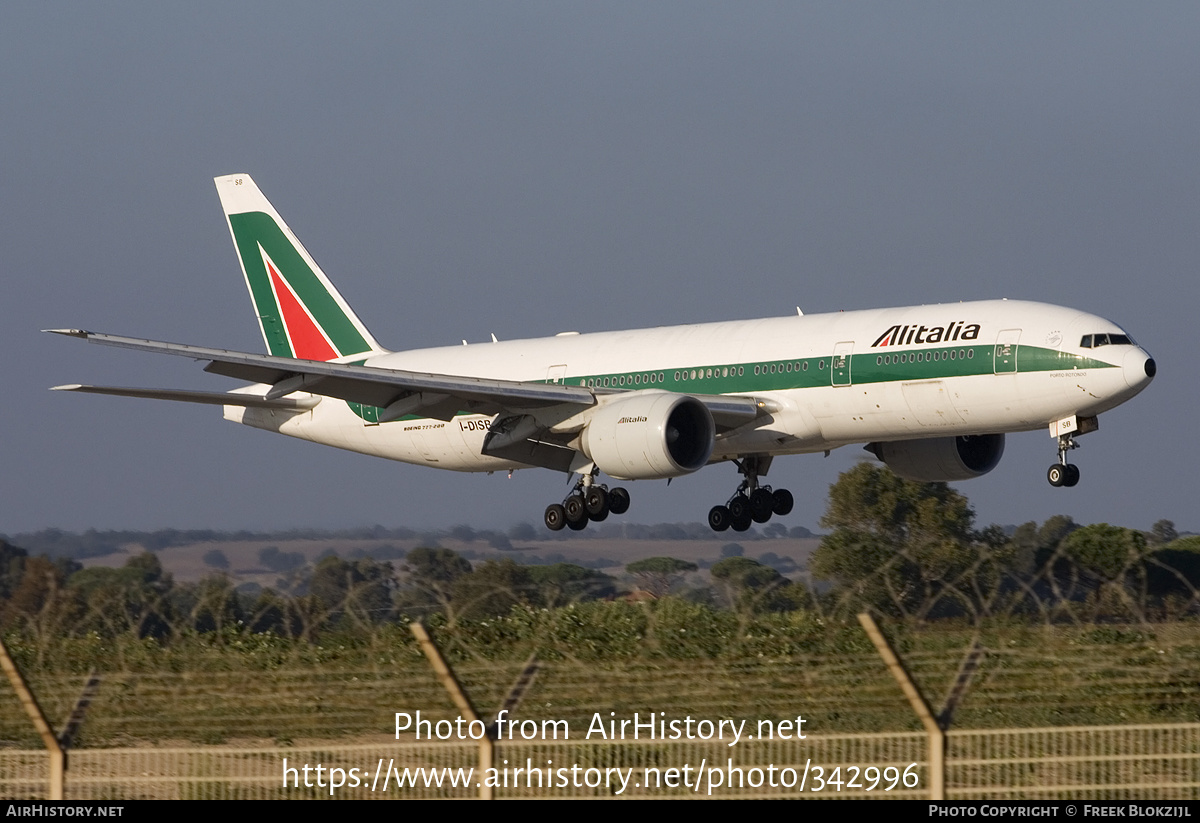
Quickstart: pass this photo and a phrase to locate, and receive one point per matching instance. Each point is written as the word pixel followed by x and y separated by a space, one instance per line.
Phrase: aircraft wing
pixel 395 392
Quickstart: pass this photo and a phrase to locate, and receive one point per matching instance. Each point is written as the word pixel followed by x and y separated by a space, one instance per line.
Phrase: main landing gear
pixel 1063 473
pixel 751 503
pixel 587 501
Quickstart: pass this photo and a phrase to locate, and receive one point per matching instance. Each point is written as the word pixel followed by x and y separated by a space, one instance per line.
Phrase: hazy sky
pixel 462 169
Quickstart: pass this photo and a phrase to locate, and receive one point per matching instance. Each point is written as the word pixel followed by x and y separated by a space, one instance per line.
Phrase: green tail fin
pixel 299 311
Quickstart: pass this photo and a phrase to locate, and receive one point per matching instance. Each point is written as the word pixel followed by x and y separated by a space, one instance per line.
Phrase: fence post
pixel 58 757
pixel 937 736
pixel 450 683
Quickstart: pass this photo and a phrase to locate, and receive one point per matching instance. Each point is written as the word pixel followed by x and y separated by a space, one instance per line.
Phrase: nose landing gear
pixel 1063 473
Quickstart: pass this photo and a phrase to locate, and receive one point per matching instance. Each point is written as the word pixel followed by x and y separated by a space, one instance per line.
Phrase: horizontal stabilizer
pixel 205 397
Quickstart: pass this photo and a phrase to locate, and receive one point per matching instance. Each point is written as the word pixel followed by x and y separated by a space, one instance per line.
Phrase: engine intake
pixel 648 435
pixel 941 458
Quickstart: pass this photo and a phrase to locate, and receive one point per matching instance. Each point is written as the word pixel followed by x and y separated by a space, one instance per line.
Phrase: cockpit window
pixel 1095 341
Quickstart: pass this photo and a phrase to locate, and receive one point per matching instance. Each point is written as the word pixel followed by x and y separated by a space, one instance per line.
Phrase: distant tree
pixel 1104 551
pixel 753 587
pixel 775 530
pixel 667 531
pixel 522 531
pixel 271 612
pixel 563 583
pixel 274 560
pixel 132 598
pixel 1173 571
pixel 207 606
pixel 499 542
pixel 42 605
pixel 359 590
pixel 656 575
pixel 1111 557
pixel 216 559
pixel 900 546
pixel 491 589
pixel 430 574
pixel 12 566
pixel 1162 533
pixel 785 565
pixel 732 550
pixel 464 534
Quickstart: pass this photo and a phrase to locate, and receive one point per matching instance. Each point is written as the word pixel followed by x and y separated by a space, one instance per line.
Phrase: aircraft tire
pixel 782 502
pixel 1056 474
pixel 741 524
pixel 618 500
pixel 555 517
pixel 575 509
pixel 739 509
pixel 577 525
pixel 1072 477
pixel 718 518
pixel 762 504
pixel 596 503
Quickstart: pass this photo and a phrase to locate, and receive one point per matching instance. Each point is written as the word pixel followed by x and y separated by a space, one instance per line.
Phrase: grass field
pixel 256 688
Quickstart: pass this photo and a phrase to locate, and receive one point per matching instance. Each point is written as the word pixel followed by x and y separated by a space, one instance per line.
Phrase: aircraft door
pixel 839 370
pixel 1004 361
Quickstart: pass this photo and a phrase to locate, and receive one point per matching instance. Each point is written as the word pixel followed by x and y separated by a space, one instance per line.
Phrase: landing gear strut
pixel 751 503
pixel 1063 473
pixel 588 501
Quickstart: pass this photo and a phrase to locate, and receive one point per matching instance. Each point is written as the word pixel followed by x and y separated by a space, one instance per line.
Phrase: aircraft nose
pixel 1139 369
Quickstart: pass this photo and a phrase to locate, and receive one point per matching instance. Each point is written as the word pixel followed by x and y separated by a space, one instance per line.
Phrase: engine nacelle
pixel 649 435
pixel 941 458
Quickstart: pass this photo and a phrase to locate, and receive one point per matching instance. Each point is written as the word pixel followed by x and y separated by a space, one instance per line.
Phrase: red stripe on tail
pixel 308 343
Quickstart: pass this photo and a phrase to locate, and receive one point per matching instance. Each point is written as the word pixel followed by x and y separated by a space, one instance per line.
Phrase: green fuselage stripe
pixel 882 365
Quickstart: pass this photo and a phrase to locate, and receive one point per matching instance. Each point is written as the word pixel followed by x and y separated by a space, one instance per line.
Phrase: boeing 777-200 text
pixel 931 390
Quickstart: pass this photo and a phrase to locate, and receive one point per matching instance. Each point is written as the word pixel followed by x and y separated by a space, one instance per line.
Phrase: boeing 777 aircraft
pixel 930 390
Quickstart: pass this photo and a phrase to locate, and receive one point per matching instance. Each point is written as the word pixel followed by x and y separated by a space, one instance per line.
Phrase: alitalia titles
pixel 908 335
pixel 631 420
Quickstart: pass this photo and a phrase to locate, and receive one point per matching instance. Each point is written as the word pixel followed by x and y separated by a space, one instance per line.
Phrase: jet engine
pixel 648 435
pixel 941 458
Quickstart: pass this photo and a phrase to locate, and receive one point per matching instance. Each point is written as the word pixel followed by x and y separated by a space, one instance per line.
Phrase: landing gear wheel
pixel 576 512
pixel 595 502
pixel 555 517
pixel 741 524
pixel 719 519
pixel 739 509
pixel 577 525
pixel 618 500
pixel 762 504
pixel 1072 477
pixel 1057 475
pixel 783 502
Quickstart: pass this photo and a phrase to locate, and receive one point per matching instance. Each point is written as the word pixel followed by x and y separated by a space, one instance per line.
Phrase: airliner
pixel 929 390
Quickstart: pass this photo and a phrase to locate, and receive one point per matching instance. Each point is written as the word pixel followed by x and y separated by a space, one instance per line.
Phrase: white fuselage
pixel 829 379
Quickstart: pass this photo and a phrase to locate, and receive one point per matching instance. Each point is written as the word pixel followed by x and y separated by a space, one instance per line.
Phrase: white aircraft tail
pixel 299 311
